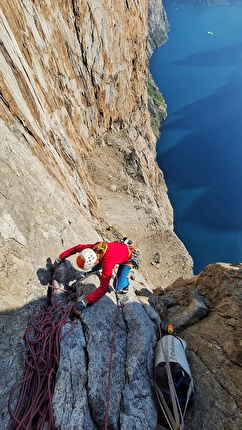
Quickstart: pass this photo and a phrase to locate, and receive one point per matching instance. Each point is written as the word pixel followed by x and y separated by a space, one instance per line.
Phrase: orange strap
pixel 130 252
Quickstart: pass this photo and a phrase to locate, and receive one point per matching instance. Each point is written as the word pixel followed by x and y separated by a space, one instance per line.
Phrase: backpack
pixel 134 254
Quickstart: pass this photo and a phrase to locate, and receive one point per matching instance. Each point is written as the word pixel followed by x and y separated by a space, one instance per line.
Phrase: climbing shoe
pixel 123 291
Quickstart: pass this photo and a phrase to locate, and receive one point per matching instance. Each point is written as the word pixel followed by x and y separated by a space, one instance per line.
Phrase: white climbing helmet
pixel 86 259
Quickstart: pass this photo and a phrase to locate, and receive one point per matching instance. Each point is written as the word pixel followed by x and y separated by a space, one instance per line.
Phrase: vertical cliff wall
pixel 158 25
pixel 77 153
pixel 74 111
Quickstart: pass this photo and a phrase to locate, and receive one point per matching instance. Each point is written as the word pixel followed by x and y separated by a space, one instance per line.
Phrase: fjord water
pixel 200 147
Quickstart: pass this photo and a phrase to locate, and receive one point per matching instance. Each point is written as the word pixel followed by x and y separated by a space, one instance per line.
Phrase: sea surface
pixel 200 148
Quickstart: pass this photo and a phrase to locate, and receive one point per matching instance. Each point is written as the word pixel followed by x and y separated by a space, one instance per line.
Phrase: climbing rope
pixel 30 400
pixel 33 395
pixel 119 307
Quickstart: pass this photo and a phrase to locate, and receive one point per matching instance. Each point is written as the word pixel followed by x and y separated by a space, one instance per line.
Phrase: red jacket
pixel 117 253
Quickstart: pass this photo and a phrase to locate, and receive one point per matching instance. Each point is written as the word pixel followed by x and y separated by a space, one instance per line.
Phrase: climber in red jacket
pixel 104 255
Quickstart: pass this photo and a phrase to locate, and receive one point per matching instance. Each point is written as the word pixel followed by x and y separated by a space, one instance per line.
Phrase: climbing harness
pixel 173 381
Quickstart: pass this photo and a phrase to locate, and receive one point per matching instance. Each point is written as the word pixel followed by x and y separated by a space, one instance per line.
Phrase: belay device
pixel 173 381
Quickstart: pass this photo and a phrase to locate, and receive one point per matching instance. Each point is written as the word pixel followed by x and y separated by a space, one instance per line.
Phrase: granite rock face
pixel 73 90
pixel 108 338
pixel 77 160
pixel 158 25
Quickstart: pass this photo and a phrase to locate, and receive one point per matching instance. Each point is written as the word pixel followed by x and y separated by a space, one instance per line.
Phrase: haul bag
pixel 173 381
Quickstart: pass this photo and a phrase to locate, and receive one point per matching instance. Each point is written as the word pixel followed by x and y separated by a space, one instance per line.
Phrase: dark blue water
pixel 200 148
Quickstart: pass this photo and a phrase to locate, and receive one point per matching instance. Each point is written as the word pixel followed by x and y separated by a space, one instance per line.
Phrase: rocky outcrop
pixel 207 310
pixel 158 25
pixel 87 357
pixel 109 353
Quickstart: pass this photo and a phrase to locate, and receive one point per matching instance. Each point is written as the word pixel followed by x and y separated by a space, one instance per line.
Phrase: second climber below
pixel 104 256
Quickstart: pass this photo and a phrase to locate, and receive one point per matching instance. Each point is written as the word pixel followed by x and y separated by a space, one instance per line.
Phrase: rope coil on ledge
pixel 43 336
pixel 30 400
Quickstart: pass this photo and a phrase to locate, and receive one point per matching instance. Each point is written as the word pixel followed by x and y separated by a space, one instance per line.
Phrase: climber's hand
pixel 57 263
pixel 80 307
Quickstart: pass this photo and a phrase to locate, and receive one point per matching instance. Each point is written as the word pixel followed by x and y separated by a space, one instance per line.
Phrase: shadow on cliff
pixel 14 324
pixel 222 57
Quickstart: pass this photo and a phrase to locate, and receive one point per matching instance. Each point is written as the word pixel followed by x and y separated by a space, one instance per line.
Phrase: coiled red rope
pixel 33 395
